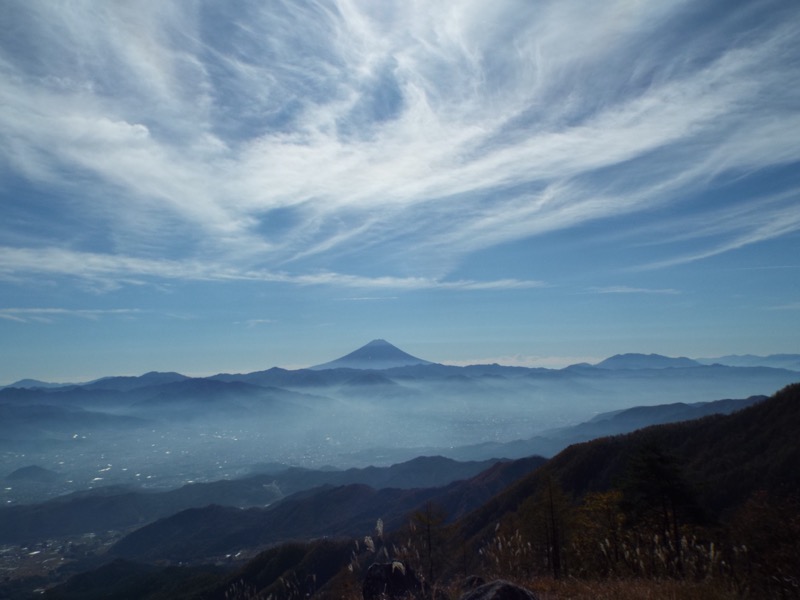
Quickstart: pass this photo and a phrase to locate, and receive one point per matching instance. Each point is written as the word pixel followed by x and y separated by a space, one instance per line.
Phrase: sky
pixel 204 186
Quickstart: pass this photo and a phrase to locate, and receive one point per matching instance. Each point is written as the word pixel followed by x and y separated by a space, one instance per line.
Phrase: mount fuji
pixel 376 355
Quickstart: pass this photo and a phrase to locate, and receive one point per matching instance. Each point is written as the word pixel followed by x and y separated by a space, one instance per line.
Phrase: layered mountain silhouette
pixel 736 455
pixel 777 361
pixel 382 355
pixel 120 507
pixel 737 458
pixel 727 458
pixel 343 510
pixel 377 354
pixel 550 442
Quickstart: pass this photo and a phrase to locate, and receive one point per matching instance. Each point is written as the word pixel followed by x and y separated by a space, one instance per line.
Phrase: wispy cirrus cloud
pixel 728 227
pixel 101 267
pixel 250 323
pixel 300 134
pixel 624 289
pixel 47 315
pixel 789 306
pixel 368 298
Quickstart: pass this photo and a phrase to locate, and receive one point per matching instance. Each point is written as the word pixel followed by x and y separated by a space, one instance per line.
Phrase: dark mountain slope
pixel 422 472
pixel 292 562
pixel 119 508
pixel 348 510
pixel 202 533
pixel 727 457
pixel 126 580
pixel 303 566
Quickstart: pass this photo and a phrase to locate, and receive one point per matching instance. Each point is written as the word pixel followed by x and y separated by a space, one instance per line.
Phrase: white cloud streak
pixel 101 267
pixel 47 315
pixel 406 130
pixel 737 226
pixel 791 306
pixel 251 323
pixel 623 289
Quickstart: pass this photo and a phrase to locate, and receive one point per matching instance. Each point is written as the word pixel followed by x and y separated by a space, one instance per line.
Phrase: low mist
pixel 154 434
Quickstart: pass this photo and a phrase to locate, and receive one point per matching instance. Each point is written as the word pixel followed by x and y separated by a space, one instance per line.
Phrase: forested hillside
pixel 707 508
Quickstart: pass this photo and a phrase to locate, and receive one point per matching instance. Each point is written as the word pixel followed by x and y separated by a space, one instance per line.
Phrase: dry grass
pixel 619 589
pixel 627 589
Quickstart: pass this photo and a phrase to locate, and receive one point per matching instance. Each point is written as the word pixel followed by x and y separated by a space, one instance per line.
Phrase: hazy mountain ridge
pixel 645 361
pixel 280 377
pixel 33 473
pixel 138 398
pixel 30 422
pixel 126 384
pixel 728 457
pixel 165 429
pixel 162 430
pixel 756 446
pixel 346 510
pixel 778 361
pixel 550 442
pixel 129 507
pixel 121 508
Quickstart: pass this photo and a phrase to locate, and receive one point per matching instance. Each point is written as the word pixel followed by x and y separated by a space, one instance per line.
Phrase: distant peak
pixel 377 354
pixel 645 361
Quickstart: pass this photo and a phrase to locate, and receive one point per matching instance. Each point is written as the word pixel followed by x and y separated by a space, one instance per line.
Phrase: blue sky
pixel 211 186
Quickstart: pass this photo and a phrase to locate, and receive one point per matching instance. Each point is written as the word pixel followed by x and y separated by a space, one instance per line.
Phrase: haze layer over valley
pixel 375 406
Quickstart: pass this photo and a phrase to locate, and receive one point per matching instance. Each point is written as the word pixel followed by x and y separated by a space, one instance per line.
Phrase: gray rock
pixel 391 580
pixel 499 590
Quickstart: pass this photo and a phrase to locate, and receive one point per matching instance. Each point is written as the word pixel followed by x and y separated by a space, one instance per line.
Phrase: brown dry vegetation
pixel 627 589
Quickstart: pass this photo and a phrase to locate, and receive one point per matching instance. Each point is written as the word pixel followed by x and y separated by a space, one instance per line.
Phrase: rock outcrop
pixel 499 590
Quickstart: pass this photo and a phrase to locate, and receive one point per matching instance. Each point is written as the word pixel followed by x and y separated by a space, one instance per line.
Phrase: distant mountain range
pixel 379 355
pixel 159 431
pixel 777 361
pixel 551 442
pixel 657 361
